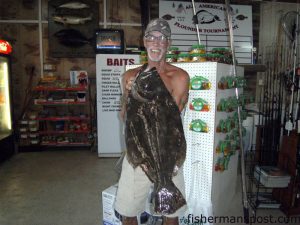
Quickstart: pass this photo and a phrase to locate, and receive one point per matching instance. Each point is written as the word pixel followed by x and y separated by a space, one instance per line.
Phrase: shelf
pixel 56 99
pixel 65 132
pixel 42 88
pixel 55 144
pixel 54 118
pixel 59 103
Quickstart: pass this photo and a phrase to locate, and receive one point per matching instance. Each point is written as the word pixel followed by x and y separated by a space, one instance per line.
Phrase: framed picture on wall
pixel 71 28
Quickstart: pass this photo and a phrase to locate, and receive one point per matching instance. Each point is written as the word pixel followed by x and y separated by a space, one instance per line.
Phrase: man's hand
pixel 129 83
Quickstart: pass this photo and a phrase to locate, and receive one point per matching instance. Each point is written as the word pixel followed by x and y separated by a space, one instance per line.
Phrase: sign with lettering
pixel 109 68
pixel 213 27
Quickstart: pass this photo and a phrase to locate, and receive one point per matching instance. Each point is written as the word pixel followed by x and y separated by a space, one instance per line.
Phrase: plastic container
pixel 200 49
pixel 198 125
pixel 171 58
pixel 196 57
pixel 173 50
pixel 199 83
pixel 183 57
pixel 199 104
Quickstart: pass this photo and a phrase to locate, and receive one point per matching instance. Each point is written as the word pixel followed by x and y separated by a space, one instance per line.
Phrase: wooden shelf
pixel 253 67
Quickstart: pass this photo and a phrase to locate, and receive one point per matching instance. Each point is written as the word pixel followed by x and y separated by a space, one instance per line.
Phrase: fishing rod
pixel 196 22
pixel 289 124
pixel 244 196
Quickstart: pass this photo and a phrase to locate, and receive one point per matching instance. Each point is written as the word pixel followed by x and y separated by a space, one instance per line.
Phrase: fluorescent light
pixel 7 116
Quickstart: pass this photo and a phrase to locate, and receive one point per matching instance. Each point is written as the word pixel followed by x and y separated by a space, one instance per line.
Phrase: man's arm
pixel 181 88
pixel 127 80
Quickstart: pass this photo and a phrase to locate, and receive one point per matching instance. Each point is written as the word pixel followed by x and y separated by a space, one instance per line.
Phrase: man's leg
pixel 129 220
pixel 132 193
pixel 170 221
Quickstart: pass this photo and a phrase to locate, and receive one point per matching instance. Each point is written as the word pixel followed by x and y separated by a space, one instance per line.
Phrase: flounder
pixel 155 138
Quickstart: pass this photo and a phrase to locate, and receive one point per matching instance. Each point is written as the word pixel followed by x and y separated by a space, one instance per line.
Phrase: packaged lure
pixel 198 125
pixel 171 58
pixel 199 104
pixel 183 57
pixel 199 83
pixel 197 49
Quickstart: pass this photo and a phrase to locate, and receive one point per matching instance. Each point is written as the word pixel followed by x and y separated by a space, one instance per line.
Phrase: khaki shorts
pixel 133 191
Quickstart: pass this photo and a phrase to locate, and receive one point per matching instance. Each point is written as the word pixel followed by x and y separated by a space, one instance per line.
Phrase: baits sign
pixel 119 62
pixel 213 27
pixel 109 69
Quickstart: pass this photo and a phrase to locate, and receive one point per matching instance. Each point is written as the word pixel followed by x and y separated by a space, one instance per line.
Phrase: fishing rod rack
pixel 276 142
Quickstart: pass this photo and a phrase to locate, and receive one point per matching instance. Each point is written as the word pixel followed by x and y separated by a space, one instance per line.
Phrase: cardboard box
pixel 108 200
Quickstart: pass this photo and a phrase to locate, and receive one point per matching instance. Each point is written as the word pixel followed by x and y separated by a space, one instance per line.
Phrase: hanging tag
pixel 289 125
pixel 298 71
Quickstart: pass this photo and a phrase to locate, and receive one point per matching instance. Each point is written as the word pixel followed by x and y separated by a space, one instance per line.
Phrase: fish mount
pixel 71 27
pixel 205 17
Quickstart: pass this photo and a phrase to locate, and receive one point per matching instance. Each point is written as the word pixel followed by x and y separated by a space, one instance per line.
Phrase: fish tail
pixel 168 199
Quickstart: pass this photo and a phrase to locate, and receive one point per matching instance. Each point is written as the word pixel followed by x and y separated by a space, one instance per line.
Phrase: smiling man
pixel 154 96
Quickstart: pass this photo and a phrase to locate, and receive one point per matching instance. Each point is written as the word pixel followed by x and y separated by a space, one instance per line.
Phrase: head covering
pixel 159 25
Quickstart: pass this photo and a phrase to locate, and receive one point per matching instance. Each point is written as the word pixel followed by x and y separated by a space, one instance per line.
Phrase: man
pixel 134 184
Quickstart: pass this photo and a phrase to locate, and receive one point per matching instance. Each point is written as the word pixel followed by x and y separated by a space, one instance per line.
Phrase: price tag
pixel 289 125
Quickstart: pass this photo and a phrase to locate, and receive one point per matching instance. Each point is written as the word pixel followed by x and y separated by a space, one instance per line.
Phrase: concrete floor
pixel 54 188
pixel 64 188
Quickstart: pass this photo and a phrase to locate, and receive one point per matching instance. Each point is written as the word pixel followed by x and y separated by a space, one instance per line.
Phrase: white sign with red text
pixel 213 28
pixel 109 68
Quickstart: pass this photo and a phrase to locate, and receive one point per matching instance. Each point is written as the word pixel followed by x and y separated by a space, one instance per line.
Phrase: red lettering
pixel 109 62
pixel 116 62
pixel 119 62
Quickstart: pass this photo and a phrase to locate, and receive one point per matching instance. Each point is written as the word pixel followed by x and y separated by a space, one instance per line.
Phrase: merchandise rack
pixel 43 129
pixel 272 197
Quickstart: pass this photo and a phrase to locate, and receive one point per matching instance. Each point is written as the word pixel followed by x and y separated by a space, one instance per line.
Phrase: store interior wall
pixel 19 24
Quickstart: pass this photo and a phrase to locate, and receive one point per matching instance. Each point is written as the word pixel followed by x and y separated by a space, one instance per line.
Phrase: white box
pixel 272 177
pixel 108 200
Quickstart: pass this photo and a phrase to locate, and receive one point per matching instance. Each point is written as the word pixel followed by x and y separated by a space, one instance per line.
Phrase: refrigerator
pixel 7 146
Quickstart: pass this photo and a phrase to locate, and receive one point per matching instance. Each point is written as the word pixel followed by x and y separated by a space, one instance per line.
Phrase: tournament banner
pixel 213 28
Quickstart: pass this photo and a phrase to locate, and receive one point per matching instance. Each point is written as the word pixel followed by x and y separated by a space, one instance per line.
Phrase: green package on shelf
pixel 199 104
pixel 198 125
pixel 199 83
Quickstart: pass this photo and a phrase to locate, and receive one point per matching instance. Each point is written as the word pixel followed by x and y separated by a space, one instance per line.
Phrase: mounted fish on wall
pixel 71 27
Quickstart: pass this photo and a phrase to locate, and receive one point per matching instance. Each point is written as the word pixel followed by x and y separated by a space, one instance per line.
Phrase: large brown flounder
pixel 155 138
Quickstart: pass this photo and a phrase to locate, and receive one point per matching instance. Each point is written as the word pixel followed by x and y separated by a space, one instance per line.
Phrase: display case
pixel 6 129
